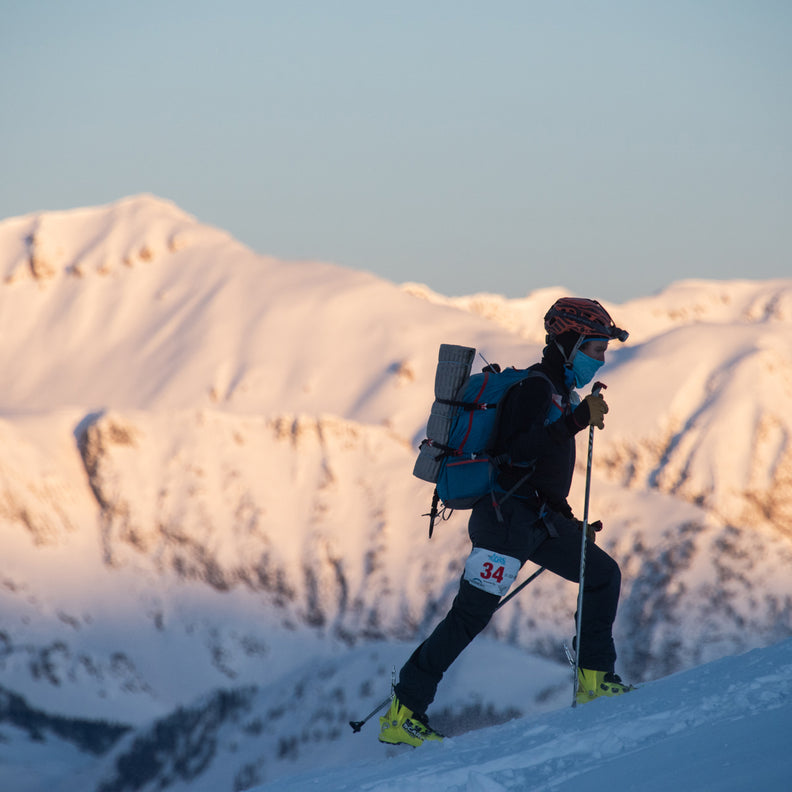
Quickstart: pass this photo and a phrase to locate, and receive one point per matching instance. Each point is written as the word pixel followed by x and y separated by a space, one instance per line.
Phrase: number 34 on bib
pixel 491 572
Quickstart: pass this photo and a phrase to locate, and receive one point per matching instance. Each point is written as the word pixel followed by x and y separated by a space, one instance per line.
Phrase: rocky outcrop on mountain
pixel 203 509
pixel 37 505
pixel 180 747
pixel 722 437
pixel 236 738
pixel 90 736
pixel 316 513
pixel 98 240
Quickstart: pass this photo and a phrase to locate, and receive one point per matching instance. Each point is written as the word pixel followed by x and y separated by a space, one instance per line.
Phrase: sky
pixel 610 148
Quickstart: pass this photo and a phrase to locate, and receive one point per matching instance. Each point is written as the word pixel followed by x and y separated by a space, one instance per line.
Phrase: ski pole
pixel 358 725
pixel 519 588
pixel 598 386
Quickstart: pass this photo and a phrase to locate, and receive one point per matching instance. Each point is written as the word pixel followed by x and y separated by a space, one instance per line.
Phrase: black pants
pixel 552 542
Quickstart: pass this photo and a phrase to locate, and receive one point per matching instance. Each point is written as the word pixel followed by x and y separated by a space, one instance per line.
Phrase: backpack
pixel 456 455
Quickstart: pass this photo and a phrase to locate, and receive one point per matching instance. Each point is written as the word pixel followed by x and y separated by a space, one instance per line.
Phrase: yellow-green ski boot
pixel 594 684
pixel 401 725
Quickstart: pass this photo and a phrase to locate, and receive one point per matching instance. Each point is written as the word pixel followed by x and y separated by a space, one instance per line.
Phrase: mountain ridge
pixel 208 457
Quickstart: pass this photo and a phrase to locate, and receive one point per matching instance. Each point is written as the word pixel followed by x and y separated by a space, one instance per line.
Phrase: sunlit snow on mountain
pixel 215 552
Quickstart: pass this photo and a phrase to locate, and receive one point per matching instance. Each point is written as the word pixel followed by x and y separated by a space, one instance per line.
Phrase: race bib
pixel 491 572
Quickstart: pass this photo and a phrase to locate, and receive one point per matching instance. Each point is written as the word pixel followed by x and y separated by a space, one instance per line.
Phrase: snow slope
pixel 722 727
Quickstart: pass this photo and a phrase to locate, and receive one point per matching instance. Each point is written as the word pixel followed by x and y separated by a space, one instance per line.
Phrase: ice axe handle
pixel 598 386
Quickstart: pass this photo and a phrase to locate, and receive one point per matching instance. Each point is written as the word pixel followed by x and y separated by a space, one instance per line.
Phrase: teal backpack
pixel 457 455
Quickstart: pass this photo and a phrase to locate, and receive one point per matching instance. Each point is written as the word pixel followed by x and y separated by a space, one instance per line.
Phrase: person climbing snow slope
pixel 528 518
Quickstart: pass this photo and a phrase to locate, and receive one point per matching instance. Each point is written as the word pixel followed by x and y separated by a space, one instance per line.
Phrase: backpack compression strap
pixel 468 406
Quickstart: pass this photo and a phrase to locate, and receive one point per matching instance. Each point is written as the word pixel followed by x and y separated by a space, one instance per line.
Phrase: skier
pixel 537 424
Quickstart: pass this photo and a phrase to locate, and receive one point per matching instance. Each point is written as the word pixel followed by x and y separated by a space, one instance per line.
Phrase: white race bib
pixel 491 572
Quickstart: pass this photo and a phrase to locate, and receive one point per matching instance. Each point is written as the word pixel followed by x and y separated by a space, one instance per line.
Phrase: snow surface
pixel 722 727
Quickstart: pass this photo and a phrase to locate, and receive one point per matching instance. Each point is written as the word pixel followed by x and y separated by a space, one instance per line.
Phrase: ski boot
pixel 593 684
pixel 402 725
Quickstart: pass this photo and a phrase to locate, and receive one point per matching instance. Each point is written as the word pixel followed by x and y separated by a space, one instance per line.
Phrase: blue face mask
pixel 584 368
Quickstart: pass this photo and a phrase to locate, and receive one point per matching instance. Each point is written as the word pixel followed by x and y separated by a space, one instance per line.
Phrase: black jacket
pixel 524 436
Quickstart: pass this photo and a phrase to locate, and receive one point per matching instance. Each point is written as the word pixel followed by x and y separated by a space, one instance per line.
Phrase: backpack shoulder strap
pixel 528 374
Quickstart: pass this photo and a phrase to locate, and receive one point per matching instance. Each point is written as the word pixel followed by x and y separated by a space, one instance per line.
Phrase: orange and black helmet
pixel 585 317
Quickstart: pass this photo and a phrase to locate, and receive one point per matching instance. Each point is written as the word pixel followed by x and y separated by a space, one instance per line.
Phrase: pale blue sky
pixel 608 147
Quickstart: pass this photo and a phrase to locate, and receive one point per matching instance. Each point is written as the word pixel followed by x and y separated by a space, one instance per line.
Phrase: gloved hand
pixel 592 529
pixel 591 411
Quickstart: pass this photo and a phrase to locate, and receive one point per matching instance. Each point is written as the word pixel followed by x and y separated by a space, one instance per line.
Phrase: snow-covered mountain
pixel 209 515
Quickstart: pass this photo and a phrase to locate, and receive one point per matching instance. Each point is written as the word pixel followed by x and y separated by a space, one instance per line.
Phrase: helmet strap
pixel 568 359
